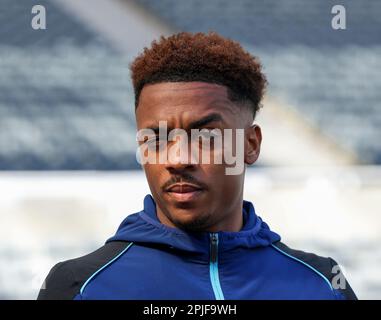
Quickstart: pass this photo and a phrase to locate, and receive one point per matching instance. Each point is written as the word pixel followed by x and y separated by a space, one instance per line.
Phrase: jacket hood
pixel 145 227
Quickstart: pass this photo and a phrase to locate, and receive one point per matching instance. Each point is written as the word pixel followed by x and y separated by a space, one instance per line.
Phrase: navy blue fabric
pixel 168 263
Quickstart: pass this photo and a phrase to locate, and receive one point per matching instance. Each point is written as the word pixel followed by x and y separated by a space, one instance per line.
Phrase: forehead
pixel 182 102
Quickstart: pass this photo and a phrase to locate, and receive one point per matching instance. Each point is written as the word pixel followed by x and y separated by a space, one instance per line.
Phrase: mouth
pixel 184 192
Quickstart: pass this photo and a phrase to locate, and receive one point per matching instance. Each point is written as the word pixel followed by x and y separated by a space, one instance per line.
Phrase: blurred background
pixel 68 173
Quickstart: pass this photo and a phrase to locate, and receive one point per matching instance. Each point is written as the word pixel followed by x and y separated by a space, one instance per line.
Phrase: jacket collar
pixel 145 227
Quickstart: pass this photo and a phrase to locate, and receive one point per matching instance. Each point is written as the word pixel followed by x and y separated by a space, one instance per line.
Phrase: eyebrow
pixel 213 117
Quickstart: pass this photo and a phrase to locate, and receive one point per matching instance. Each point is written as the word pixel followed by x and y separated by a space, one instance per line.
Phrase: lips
pixel 183 188
pixel 184 192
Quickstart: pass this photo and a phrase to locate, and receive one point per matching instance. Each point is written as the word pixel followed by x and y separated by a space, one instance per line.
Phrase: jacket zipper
pixel 213 267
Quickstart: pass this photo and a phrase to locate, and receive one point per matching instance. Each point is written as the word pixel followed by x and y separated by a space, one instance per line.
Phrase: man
pixel 196 237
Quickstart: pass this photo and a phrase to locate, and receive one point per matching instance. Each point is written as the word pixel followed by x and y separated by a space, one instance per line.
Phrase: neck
pixel 232 223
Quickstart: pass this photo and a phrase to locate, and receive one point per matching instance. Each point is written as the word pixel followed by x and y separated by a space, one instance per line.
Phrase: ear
pixel 253 140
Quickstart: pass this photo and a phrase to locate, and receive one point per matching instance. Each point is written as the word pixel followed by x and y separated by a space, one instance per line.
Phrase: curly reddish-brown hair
pixel 185 57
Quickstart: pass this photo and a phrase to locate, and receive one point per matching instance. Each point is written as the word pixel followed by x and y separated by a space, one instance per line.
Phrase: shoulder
pixel 66 278
pixel 326 267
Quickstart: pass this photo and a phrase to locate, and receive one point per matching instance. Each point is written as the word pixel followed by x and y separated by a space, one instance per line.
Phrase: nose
pixel 180 157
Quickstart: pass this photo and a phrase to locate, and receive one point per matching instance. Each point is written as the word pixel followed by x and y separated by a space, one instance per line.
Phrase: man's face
pixel 195 196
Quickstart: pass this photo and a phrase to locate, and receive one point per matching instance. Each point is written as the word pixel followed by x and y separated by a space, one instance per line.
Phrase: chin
pixel 191 221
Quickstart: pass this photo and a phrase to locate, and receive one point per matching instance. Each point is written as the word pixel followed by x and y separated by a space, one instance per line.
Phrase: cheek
pixel 152 172
pixel 220 182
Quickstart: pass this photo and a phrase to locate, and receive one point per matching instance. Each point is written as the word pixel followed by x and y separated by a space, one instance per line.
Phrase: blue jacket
pixel 149 260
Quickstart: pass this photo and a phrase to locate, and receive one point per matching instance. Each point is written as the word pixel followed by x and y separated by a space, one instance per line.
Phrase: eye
pixel 155 143
pixel 213 133
pixel 208 135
